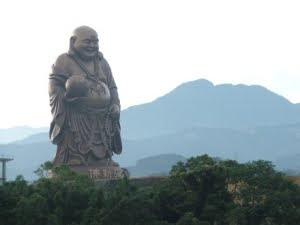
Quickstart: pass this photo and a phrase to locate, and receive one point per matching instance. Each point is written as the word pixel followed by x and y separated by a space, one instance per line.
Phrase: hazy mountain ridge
pixel 285 162
pixel 200 103
pixel 261 143
pixel 35 138
pixel 18 133
pixel 155 165
pixel 27 157
pixel 278 144
pixel 270 143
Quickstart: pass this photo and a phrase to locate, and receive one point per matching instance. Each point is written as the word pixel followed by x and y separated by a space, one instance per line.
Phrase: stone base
pixel 101 172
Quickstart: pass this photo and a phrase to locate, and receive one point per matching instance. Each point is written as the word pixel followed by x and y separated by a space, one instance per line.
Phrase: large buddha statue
pixel 85 105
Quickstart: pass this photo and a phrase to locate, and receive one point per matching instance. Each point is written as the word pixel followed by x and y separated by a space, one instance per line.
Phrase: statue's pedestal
pixel 101 172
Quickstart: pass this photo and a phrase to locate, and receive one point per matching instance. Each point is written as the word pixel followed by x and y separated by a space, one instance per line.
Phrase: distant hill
pixel 155 165
pixel 285 162
pixel 18 133
pixel 200 103
pixel 27 157
pixel 35 138
pixel 269 143
pixel 279 144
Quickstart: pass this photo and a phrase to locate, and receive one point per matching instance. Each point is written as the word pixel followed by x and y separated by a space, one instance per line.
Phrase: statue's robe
pixel 83 135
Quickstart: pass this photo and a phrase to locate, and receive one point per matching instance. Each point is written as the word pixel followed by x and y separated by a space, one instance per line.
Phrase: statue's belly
pixel 98 96
pixel 92 94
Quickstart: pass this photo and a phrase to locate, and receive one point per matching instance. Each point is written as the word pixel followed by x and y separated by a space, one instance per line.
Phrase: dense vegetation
pixel 201 191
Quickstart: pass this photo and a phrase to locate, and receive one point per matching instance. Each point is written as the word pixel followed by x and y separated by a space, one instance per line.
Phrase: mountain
pixel 35 138
pixel 285 162
pixel 275 143
pixel 155 165
pixel 27 157
pixel 200 103
pixel 18 133
pixel 269 143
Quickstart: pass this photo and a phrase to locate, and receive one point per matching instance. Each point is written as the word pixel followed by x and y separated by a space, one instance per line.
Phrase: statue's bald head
pixel 83 30
pixel 84 42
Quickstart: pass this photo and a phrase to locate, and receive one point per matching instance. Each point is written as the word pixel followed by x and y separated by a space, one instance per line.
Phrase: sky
pixel 152 47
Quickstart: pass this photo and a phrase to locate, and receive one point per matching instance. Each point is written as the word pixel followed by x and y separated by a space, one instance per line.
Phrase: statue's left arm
pixel 115 108
pixel 111 85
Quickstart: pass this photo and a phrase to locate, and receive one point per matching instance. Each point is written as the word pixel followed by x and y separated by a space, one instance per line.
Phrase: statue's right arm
pixel 60 73
pixel 58 77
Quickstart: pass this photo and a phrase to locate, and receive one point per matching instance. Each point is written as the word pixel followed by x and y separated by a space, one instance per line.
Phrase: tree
pixel 261 194
pixel 198 187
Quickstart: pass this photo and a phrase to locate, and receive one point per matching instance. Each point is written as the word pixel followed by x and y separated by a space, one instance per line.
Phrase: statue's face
pixel 86 45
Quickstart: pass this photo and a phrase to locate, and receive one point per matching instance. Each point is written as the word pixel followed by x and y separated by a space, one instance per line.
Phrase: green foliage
pixel 262 195
pixel 33 209
pixel 201 191
pixel 43 170
pixel 190 219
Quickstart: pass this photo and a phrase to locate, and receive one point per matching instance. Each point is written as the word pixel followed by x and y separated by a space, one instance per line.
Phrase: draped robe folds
pixel 84 135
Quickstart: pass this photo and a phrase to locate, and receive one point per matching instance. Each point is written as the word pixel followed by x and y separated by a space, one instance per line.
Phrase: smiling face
pixel 85 43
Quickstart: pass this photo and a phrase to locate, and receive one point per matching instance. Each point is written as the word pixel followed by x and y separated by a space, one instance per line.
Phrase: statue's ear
pixel 72 40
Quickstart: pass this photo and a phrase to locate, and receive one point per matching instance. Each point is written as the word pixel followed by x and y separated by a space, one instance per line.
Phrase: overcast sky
pixel 152 47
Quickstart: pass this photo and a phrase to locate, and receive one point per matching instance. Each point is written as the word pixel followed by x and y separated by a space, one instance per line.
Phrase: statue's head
pixel 84 43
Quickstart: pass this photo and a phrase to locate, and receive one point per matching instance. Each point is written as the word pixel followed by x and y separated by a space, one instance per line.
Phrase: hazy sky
pixel 152 46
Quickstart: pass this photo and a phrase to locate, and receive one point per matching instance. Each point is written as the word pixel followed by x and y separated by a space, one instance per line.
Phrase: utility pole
pixel 4 160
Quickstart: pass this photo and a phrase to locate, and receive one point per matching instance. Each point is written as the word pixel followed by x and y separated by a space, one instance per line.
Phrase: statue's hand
pixel 114 111
pixel 72 100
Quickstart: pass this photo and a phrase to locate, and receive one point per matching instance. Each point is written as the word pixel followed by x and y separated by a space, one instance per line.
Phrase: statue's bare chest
pixel 77 70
